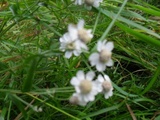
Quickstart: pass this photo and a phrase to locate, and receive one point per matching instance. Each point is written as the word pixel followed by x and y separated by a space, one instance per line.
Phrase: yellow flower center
pixel 89 2
pixel 71 46
pixel 85 86
pixel 105 55
pixel 83 35
pixel 106 86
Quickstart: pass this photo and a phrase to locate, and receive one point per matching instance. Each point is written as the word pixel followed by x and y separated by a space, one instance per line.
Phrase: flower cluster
pixel 74 42
pixel 89 3
pixel 86 88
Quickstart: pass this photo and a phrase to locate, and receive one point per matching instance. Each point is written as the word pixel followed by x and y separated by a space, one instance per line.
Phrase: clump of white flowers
pixel 89 3
pixel 86 88
pixel 74 42
pixel 71 45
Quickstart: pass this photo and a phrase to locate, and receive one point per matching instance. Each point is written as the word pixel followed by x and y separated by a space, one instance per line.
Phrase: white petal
pixel 90 75
pixel 108 94
pixel 74 81
pixel 77 89
pixel 107 78
pixel 109 63
pixel 109 46
pixel 78 2
pixel 100 67
pixel 99 46
pixel 80 100
pixel 98 86
pixel 94 91
pixel 82 103
pixel 80 24
pixel 94 58
pixel 91 98
pixel 66 37
pixel 73 32
pixel 96 4
pixel 81 45
pixel 61 39
pixel 89 31
pixel 86 98
pixel 80 75
pixel 77 52
pixel 68 54
pixel 100 78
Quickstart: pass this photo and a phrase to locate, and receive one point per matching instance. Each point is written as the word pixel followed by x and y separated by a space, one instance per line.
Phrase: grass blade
pixel 27 83
pixel 138 35
pixel 153 80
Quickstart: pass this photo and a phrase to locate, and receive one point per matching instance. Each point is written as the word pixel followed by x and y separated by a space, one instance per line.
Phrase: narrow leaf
pixel 138 35
pixel 153 80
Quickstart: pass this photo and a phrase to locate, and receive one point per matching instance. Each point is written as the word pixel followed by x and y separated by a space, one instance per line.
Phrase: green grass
pixel 34 72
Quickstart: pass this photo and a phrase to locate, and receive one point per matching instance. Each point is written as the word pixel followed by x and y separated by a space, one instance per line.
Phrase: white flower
pixel 103 57
pixel 35 108
pixel 70 44
pixel 86 89
pixel 84 34
pixel 78 30
pixel 105 83
pixel 90 3
pixel 79 2
pixel 77 99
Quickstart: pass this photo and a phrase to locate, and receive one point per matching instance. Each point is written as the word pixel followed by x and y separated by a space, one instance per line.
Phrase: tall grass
pixel 34 72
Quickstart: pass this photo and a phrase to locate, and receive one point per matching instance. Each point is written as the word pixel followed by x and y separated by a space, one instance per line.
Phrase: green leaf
pixel 138 35
pixel 153 80
pixel 19 105
pixel 157 118
pixel 112 15
pixel 102 111
pixel 122 91
pixel 147 10
pixel 3 113
pixel 31 62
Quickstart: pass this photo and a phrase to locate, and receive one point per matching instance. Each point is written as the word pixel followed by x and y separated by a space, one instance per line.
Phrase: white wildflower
pixel 77 99
pixel 89 3
pixel 103 57
pixel 105 83
pixel 82 34
pixel 86 89
pixel 94 3
pixel 79 2
pixel 71 45
pixel 37 109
